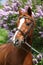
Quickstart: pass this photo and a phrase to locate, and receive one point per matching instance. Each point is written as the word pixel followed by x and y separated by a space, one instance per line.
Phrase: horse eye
pixel 27 24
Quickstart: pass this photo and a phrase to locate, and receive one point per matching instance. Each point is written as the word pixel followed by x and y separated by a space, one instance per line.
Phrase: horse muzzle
pixel 18 42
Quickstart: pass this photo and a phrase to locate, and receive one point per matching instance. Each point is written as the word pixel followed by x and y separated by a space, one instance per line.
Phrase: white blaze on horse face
pixel 22 20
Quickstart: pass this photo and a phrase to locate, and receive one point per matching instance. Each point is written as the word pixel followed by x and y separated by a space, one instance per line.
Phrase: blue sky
pixel 3 1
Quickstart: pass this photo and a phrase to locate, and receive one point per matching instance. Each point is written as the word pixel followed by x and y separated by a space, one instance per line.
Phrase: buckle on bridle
pixel 20 31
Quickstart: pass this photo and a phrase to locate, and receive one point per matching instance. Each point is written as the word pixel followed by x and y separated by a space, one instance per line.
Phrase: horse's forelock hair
pixel 29 11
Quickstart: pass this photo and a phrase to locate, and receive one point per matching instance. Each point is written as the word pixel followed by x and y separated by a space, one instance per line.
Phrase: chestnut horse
pixel 18 53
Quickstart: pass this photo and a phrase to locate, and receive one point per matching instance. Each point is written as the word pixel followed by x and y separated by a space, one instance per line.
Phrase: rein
pixel 32 48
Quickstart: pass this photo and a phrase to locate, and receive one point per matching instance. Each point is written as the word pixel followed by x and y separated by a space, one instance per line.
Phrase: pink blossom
pixel 39 8
pixel 23 10
pixel 37 14
pixel 40 32
pixel 41 13
pixel 1 16
pixel 14 4
pixel 26 7
pixel 7 8
pixel 42 35
pixel 1 10
pixel 39 57
pixel 16 12
pixel 14 7
pixel 35 61
pixel 5 13
pixel 11 12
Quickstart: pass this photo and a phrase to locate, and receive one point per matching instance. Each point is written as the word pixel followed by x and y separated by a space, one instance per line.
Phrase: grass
pixel 1 6
pixel 3 35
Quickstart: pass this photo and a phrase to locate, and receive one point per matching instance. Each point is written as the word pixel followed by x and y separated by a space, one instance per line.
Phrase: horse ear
pixel 29 11
pixel 20 12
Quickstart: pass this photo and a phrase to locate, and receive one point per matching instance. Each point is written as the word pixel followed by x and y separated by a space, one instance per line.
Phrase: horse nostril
pixel 17 40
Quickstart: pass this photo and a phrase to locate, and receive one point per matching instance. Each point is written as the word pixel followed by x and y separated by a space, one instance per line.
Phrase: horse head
pixel 24 26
